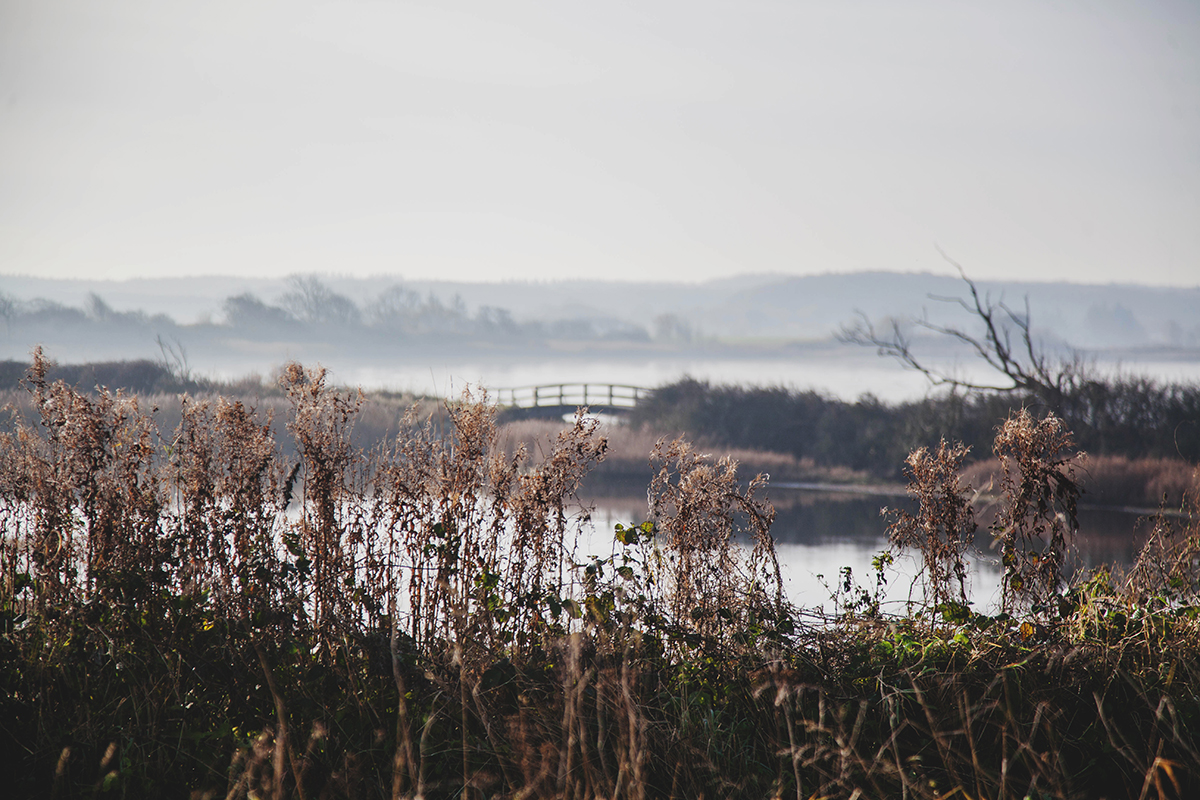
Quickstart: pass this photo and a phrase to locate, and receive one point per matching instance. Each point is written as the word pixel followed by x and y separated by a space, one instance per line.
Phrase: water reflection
pixel 819 533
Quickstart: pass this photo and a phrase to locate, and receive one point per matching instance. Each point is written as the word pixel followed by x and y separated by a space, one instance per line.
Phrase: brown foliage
pixel 1038 515
pixel 699 510
pixel 1111 480
pixel 944 525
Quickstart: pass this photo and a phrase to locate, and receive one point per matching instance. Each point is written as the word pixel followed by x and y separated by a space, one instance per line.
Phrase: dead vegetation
pixel 199 611
pixel 628 461
pixel 1111 480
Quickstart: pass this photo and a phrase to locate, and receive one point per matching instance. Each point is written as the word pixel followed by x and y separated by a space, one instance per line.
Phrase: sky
pixel 647 140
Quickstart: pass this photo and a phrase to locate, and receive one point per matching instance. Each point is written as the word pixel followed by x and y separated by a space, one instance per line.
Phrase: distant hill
pixel 1088 316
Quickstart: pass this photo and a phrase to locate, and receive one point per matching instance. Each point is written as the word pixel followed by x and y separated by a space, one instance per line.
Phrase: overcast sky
pixel 679 139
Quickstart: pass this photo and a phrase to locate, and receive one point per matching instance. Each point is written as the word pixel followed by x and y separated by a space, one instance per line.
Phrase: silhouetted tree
pixel 313 302
pixel 1006 345
pixel 246 310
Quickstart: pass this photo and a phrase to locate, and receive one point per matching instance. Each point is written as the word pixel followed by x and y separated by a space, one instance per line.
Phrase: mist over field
pixel 435 337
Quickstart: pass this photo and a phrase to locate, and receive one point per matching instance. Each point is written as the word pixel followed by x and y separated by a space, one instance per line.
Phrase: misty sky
pixel 645 140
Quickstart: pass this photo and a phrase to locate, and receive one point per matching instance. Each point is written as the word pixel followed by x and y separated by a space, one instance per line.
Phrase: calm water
pixel 844 371
pixel 817 534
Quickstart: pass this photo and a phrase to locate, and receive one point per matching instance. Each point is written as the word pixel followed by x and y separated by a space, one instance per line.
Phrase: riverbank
pixel 1146 486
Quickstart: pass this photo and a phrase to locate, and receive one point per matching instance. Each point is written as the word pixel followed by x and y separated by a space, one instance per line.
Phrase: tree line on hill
pixel 311 308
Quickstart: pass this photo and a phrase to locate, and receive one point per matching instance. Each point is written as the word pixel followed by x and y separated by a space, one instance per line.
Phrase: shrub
pixel 943 527
pixel 1039 512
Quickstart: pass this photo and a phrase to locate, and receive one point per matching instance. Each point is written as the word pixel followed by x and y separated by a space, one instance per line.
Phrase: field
pixel 208 610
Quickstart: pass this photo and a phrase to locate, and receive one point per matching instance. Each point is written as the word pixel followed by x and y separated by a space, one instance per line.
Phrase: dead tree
pixel 1006 345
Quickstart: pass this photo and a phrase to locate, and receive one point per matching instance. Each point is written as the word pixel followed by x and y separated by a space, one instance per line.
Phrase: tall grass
pixel 201 611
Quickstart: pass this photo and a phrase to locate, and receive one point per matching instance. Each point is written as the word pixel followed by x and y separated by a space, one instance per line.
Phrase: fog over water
pixel 847 373
pixel 436 337
pixel 849 376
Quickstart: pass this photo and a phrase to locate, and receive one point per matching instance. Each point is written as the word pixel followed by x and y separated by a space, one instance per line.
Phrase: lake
pixel 838 370
pixel 819 533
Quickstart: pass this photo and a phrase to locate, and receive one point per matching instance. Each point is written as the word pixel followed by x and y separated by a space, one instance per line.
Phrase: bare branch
pixel 1020 367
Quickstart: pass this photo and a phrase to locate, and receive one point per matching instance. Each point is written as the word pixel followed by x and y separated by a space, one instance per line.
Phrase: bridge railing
pixel 609 395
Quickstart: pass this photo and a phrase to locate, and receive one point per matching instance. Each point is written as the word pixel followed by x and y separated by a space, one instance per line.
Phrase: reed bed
pixel 1115 480
pixel 204 612
pixel 627 463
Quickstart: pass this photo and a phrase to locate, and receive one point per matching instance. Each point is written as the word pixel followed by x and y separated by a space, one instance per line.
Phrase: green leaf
pixel 957 613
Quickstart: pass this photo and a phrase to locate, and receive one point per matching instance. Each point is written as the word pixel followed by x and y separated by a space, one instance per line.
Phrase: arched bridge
pixel 599 396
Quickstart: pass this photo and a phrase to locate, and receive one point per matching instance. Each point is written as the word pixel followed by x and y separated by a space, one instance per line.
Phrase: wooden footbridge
pixel 607 397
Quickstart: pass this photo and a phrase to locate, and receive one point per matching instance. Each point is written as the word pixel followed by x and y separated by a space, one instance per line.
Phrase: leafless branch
pixel 1020 366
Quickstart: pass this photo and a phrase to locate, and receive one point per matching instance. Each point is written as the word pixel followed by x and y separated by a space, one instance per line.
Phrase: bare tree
pixel 315 303
pixel 1006 344
pixel 8 310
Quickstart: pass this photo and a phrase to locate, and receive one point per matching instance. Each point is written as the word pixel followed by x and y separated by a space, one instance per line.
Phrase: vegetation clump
pixel 202 612
pixel 1143 438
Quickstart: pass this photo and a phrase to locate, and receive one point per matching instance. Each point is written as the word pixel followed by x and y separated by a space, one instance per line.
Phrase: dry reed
pixel 205 611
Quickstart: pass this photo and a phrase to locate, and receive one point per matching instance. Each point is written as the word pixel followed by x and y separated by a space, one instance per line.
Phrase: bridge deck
pixel 571 395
